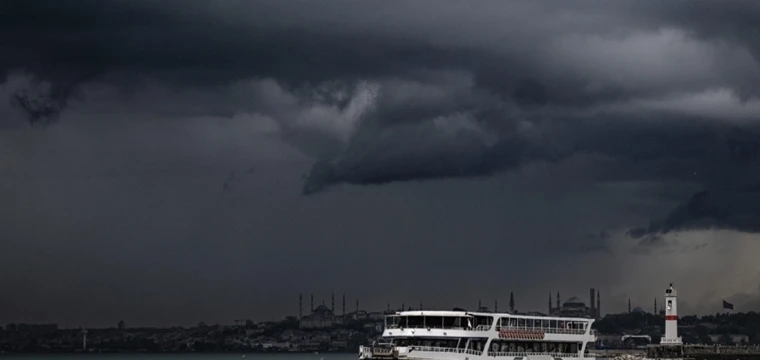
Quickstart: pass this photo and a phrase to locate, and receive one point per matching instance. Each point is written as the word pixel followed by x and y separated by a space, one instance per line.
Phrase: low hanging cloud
pixel 738 210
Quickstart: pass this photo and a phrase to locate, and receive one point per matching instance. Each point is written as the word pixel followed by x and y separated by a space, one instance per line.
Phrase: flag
pixel 727 305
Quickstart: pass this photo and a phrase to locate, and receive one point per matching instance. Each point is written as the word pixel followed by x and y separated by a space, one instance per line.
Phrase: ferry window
pixel 483 320
pixel 414 321
pixel 521 322
pixel 403 322
pixel 450 322
pixel 670 304
pixel 433 321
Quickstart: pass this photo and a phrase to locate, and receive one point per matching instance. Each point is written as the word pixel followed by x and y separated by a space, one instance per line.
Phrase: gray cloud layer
pixel 454 90
pixel 652 92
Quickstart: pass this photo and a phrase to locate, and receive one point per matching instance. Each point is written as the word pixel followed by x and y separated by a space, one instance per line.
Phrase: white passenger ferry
pixel 461 335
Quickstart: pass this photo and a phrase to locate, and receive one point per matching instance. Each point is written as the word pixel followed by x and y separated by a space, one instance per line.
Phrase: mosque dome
pixel 574 302
pixel 323 311
pixel 638 310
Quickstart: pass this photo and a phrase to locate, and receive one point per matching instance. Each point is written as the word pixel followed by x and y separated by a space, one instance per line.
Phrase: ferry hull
pixel 424 355
pixel 401 353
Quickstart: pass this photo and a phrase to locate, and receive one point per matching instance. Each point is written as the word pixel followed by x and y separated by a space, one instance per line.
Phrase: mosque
pixel 323 317
pixel 575 307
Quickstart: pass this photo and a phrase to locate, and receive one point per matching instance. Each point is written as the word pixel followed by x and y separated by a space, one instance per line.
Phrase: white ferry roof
pixel 433 313
pixel 469 313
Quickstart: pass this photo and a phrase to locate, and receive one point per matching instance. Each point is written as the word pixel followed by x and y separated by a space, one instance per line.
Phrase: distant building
pixel 322 317
pixel 573 307
pixel 728 339
pixel 121 325
pixel 638 310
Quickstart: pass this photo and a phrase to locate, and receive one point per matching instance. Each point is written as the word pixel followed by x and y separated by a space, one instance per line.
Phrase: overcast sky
pixel 165 163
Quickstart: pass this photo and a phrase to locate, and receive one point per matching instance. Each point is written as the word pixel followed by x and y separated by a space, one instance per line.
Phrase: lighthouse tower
pixel 671 318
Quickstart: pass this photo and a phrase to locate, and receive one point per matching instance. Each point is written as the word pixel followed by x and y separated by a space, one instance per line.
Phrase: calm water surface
pixel 320 356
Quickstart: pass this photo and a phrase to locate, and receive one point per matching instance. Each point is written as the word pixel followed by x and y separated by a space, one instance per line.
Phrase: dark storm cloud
pixel 457 90
pixel 203 41
pixel 738 210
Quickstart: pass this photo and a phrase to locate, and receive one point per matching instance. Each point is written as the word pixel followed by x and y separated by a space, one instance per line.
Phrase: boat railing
pixel 396 326
pixel 545 330
pixel 365 351
pixel 512 353
pixel 477 328
pixel 445 350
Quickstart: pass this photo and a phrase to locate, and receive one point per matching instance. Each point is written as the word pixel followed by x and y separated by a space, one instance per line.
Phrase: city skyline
pixel 167 163
pixel 304 309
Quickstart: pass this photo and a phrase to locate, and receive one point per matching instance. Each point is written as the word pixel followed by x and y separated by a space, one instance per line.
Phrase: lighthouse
pixel 671 318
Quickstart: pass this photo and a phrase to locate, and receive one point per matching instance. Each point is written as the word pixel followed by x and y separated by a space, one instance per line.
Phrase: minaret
pixel 357 306
pixel 402 306
pixel 479 305
pixel 420 305
pixel 312 303
pixel 558 300
pixel 655 306
pixel 300 306
pixel 344 304
pixel 550 303
pixel 629 305
pixel 84 339
pixel 598 306
pixel 511 302
pixel 332 307
pixel 496 306
pixel 591 302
